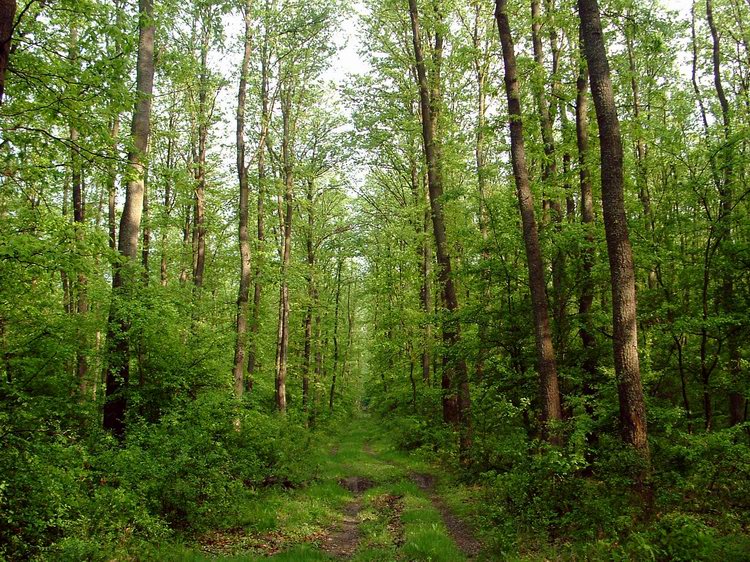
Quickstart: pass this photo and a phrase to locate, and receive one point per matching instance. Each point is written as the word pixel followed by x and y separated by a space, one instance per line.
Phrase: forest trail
pixel 363 501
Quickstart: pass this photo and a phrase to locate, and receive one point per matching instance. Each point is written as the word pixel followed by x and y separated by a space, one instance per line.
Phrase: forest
pixel 390 280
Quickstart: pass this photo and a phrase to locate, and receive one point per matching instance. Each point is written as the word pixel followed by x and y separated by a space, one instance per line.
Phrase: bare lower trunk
pixel 312 303
pixel 549 386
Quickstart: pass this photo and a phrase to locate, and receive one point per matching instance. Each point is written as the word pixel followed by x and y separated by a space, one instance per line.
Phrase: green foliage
pixel 193 470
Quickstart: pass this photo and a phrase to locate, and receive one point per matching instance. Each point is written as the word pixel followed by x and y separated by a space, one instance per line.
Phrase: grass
pixel 397 520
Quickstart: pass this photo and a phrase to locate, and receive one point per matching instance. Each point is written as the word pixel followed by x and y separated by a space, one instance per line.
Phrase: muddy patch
pixel 356 484
pixel 235 542
pixel 426 482
pixel 391 507
pixel 459 531
pixel 344 540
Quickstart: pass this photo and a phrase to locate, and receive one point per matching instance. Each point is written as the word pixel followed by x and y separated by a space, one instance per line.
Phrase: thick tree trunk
pixel 456 400
pixel 622 273
pixel 549 386
pixel 119 369
pixel 7 22
pixel 244 236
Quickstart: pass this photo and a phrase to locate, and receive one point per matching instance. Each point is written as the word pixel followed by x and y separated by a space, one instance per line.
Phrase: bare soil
pixel 459 531
pixel 343 541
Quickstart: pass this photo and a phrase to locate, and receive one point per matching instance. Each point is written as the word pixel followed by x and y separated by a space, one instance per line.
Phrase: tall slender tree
pixel 622 272
pixel 455 384
pixel 546 364
pixel 124 281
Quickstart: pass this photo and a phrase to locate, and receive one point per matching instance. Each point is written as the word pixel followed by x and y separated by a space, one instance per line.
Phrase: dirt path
pixel 343 541
pixel 363 501
pixel 459 531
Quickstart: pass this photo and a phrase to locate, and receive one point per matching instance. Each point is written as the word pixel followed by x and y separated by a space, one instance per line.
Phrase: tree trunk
pixel 423 254
pixel 312 296
pixel 163 272
pixel 282 346
pixel 640 154
pixel 82 305
pixel 586 330
pixel 622 274
pixel 130 223
pixel 200 170
pixel 335 336
pixel 244 236
pixel 264 124
pixel 456 400
pixel 146 250
pixel 7 22
pixel 481 69
pixel 549 386
pixel 114 132
pixel 725 226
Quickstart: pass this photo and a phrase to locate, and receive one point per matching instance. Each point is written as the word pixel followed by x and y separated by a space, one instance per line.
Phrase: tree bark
pixel 199 231
pixel 548 382
pixel 7 22
pixel 168 202
pixel 455 384
pixel 586 331
pixel 264 124
pixel 312 296
pixel 118 373
pixel 335 337
pixel 725 226
pixel 82 305
pixel 114 132
pixel 244 236
pixel 622 273
pixel 282 346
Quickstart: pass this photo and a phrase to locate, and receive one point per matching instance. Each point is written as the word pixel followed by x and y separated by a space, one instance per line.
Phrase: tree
pixel 549 388
pixel 622 273
pixel 123 283
pixel 455 384
pixel 244 235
